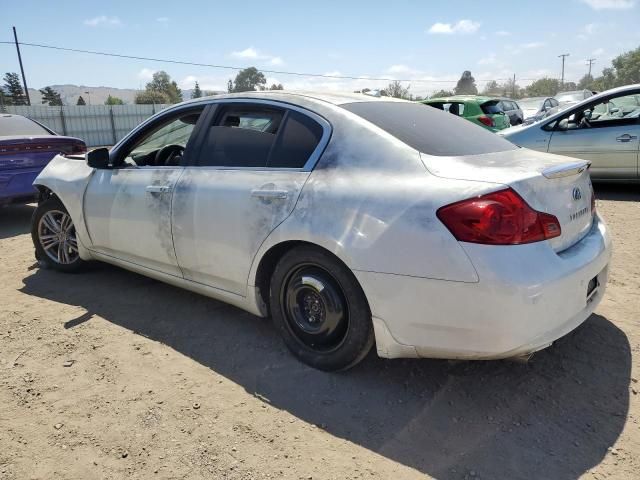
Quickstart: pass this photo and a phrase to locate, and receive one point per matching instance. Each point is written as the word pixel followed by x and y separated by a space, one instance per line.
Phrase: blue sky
pixel 430 43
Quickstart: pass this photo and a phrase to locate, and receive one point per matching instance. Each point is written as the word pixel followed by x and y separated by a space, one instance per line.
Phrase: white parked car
pixel 535 109
pixel 346 218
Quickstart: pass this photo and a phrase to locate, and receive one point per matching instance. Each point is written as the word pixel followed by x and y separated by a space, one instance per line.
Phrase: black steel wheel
pixel 320 309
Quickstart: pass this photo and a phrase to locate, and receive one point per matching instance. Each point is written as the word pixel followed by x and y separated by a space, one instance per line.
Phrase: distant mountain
pixel 96 95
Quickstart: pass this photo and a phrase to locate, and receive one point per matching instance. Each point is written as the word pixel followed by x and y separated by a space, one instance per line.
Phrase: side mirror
pixel 563 124
pixel 98 158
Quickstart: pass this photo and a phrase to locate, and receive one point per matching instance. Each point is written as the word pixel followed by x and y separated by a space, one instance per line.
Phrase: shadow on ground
pixel 552 418
pixel 617 192
pixel 15 220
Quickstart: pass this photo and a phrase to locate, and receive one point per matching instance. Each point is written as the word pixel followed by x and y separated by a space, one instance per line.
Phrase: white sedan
pixel 350 220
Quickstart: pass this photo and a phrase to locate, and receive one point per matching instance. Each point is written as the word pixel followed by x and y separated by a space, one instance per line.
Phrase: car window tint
pixel 455 108
pixel 298 139
pixel 242 136
pixel 429 130
pixel 492 107
pixel 11 125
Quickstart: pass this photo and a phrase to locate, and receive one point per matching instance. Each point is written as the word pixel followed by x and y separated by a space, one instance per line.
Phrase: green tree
pixel 585 82
pixel 627 67
pixel 442 94
pixel 197 93
pixel 50 97
pixel 81 101
pixel 466 85
pixel 113 101
pixel 607 80
pixel 247 80
pixel 148 97
pixel 13 89
pixel 543 87
pixel 491 88
pixel 396 90
pixel 162 83
pixel 276 87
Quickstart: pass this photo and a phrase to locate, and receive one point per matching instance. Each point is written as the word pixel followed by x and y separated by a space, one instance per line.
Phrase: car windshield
pixel 12 125
pixel 430 130
pixel 531 103
pixel 570 97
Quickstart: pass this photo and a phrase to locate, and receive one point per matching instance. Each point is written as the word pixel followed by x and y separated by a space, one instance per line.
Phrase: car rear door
pixel 610 140
pixel 254 158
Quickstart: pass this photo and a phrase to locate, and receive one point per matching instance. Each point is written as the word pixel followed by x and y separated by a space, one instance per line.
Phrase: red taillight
pixel 486 120
pixel 79 147
pixel 498 218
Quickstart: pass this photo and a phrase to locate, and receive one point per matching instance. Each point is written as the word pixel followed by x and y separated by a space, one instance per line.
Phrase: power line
pixel 229 67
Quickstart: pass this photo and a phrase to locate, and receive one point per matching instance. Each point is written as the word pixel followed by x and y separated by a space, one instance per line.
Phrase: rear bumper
pixel 527 297
pixel 18 185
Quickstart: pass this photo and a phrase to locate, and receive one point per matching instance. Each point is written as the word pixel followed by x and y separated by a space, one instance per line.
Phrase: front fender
pixel 67 179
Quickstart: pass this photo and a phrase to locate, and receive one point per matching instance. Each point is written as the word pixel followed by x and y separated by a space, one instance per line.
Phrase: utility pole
pixel 24 80
pixel 590 61
pixel 513 95
pixel 563 57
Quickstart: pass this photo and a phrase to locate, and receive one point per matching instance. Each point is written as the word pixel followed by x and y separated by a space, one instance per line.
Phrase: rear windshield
pixel 491 107
pixel 11 125
pixel 430 130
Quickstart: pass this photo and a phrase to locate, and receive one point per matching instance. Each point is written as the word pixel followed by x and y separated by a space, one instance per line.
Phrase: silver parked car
pixel 603 129
pixel 350 220
pixel 512 110
pixel 535 109
pixel 572 97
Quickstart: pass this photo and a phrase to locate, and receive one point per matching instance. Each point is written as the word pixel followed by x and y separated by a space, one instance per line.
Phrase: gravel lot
pixel 109 374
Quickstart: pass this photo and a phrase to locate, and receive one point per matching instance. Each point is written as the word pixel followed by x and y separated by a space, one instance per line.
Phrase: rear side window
pixel 492 107
pixel 456 108
pixel 241 137
pixel 11 125
pixel 299 138
pixel 429 130
pixel 255 136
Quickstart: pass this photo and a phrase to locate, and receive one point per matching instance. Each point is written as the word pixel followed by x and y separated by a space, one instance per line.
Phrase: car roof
pixel 294 97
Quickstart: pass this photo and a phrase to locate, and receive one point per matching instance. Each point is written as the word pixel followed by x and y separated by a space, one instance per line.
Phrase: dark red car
pixel 26 147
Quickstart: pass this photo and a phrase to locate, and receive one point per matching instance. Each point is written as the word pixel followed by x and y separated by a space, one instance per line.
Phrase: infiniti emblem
pixel 577 194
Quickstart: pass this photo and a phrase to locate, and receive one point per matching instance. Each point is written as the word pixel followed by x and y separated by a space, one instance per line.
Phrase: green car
pixel 485 111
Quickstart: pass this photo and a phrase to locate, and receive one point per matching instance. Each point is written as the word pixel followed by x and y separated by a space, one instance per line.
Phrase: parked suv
pixel 484 111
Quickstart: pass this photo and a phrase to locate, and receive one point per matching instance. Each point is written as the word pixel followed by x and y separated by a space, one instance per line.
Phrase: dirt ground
pixel 112 375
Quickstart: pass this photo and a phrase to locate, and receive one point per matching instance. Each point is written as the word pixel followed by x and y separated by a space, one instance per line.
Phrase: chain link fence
pixel 97 125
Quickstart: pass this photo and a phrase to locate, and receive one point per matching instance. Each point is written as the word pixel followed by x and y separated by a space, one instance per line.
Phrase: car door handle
pixel 278 194
pixel 158 188
pixel 626 138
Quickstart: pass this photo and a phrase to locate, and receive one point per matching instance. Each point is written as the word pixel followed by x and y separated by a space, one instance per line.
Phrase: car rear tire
pixel 54 237
pixel 320 310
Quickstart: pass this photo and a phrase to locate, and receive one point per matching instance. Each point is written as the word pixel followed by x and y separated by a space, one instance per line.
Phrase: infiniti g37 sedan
pixel 349 220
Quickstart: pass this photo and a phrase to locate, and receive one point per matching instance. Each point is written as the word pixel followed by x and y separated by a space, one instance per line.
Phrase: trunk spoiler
pixel 566 169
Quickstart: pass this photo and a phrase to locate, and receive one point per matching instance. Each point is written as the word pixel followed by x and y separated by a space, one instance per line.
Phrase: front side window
pixel 164 144
pixel 623 110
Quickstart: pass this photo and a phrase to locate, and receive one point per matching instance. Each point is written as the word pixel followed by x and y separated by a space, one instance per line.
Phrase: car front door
pixel 252 164
pixel 604 134
pixel 127 207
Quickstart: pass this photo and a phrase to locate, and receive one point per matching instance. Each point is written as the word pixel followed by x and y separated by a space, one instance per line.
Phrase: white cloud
pixel 598 51
pixel 103 21
pixel 532 45
pixel 255 54
pixel 589 28
pixel 146 74
pixel 162 19
pixel 610 4
pixel 400 69
pixel 461 26
pixel 502 33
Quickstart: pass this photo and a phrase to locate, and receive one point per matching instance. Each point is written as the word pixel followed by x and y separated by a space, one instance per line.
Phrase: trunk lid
pixel 549 183
pixel 20 152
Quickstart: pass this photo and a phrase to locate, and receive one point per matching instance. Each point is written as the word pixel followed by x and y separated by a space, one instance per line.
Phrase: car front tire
pixel 54 237
pixel 320 310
